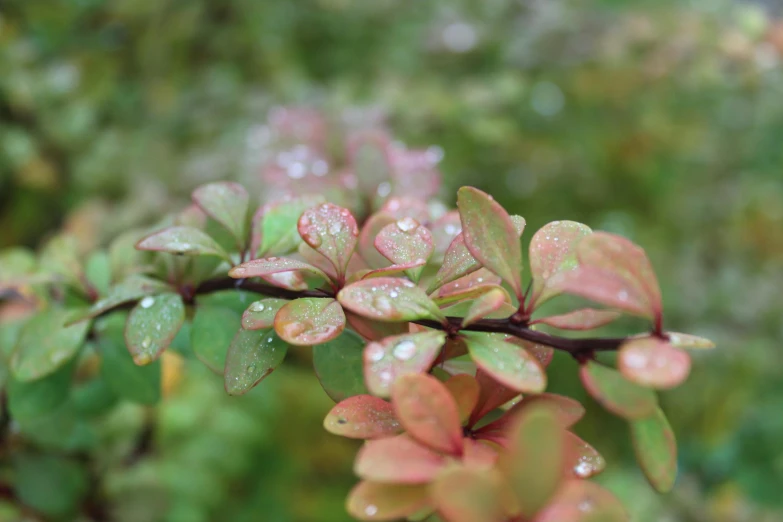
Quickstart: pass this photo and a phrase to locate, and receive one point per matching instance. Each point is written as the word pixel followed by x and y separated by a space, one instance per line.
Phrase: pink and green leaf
pixel 252 355
pixel 604 287
pixel 226 203
pixel 152 325
pixel 583 501
pixel 363 417
pixel 465 391
pixel 617 394
pixel 463 494
pixel 370 229
pixel 656 450
pixel 394 270
pixel 398 460
pixel 274 265
pixel 653 362
pixel 389 299
pixel 457 262
pixel 466 287
pixel 493 394
pixel 260 315
pixel 582 460
pixel 553 251
pixel 374 330
pixel 387 360
pixel 332 232
pixel 582 319
pixel 509 364
pixel 309 321
pixel 183 241
pixel 386 502
pixel 486 304
pixel 405 241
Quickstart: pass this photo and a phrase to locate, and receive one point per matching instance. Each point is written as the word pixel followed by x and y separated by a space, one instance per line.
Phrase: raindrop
pixel 404 350
pixel 384 189
pixel 408 225
pixel 147 302
pixel 393 294
pixel 257 307
pixel 146 343
pixel 371 510
pixel 375 352
pixel 335 228
pixel 251 368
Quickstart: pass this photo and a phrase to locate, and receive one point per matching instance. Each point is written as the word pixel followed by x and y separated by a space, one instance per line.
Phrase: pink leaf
pixel 406 206
pixel 376 501
pixel 465 391
pixel 552 251
pixel 583 501
pixel 310 321
pixel 332 231
pixel 567 411
pixel 394 357
pixel 444 230
pixel 604 287
pixel 405 241
pixel 374 330
pixel 274 265
pixel 362 417
pixel 653 362
pixel 374 224
pixel 394 270
pixel 468 495
pixel 486 304
pixel 398 460
pixel 583 319
pixel 427 411
pixel 478 455
pixel 466 287
pixel 490 236
pixel 261 314
pixel 582 460
pixel 389 299
pixel 493 394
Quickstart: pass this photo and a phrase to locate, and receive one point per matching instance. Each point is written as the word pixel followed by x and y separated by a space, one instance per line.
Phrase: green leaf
pixel 398 460
pixel 507 363
pixel 139 384
pixel 27 400
pixel 279 234
pixel 331 231
pixel 653 362
pixel 98 271
pixel 656 450
pixel 389 299
pixel 338 366
pixel 183 241
pixel 362 417
pixel 261 314
pixel 552 251
pixel 152 325
pixel 617 394
pixel 17 266
pixel 490 236
pixel 226 203
pixel 211 334
pixel 253 355
pixel 537 458
pixel 45 344
pixel 468 495
pixel 309 321
pixel 405 241
pixel 60 257
pixel 428 412
pixel 54 486
pixel 400 355
pixel 376 501
pixel 134 287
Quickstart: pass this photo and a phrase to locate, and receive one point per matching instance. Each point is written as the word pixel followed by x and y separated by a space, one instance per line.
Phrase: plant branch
pixel 214 285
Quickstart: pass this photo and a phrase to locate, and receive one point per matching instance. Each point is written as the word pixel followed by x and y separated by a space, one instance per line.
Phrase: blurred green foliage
pixel 658 120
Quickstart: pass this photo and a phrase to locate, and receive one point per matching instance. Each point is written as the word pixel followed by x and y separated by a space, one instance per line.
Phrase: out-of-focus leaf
pixel 332 231
pixel 260 315
pixel 444 230
pixel 492 395
pixel 389 299
pixel 466 288
pixel 582 460
pixel 602 286
pixel 552 251
pixel 457 262
pixel 689 342
pixel 46 344
pixel 370 229
pixel 398 460
pixel 583 501
pixel 465 391
pixel 339 366
pixel 279 234
pixel 535 464
pixel 509 364
pixel 485 304
pixel 132 288
pixel 376 501
pixel 567 411
pixel 252 355
pixel 583 319
pixel 211 334
pixel 374 330
pixel 653 362
pixel 617 394
pixel 309 321
pixel 98 271
pixel 226 203
pixel 490 236
pixel 656 450
pixel 140 384
pixel 16 267
pixel 152 325
pixel 363 417
pixel 393 270
pixel 468 495
pixel 183 241
pixel 60 257
pixel 274 265
pixel 27 400
pixel 52 485
pixel 400 355
pixel 428 412
pixel 405 241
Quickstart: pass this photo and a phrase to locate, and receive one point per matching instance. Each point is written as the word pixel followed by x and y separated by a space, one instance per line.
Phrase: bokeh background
pixel 660 120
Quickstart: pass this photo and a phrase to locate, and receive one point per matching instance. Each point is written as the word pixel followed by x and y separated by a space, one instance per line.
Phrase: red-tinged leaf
pixel 278 224
pixel 519 224
pixel 394 270
pixel 252 355
pixel 465 391
pixel 191 216
pixel 656 450
pixel 415 172
pixel 653 362
pixel 493 394
pixel 368 156
pixel 468 495
pixel 567 411
pixel 309 321
pixel 398 460
pixel 490 236
pixel 628 261
pixel 604 287
pixel 582 460
pixel 467 287
pixel 428 412
pixel 583 501
pixel 485 305
pixel 457 262
pixel 374 330
pixel 389 299
pixel 152 325
pixel 183 241
pixel 688 341
pixel 393 357
pixel 331 231
pixel 376 501
pixel 478 455
pixel 582 319
pixel 458 367
pixel 226 203
pixel 537 456
pixel 274 265
pixel 553 251
pixel 444 230
pixel 405 241
pixel 542 353
pixel 412 207
pixel 288 280
pixel 508 364
pixel 261 314
pixel 617 394
pixel 363 417
pixel 366 247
